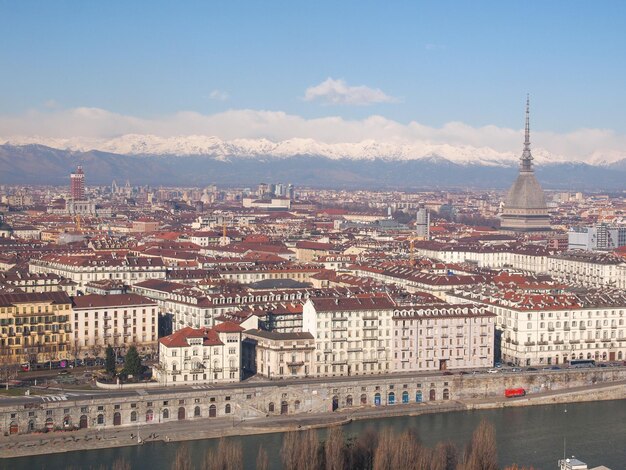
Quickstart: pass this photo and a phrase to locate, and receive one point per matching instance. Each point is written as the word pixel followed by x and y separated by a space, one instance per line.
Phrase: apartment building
pixel 278 355
pixel 116 320
pixel 85 268
pixel 588 268
pixel 35 326
pixel 352 334
pixel 200 355
pixel 554 327
pixel 442 337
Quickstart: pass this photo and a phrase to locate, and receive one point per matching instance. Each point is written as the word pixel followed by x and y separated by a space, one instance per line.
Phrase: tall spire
pixel 527 158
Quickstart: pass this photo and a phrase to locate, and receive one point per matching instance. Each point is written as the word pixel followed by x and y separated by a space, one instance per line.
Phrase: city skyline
pixel 413 74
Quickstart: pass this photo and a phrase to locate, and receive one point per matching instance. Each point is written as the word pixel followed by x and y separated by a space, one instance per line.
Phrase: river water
pixel 594 432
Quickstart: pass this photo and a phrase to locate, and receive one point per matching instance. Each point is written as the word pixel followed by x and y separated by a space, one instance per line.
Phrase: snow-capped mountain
pixel 198 145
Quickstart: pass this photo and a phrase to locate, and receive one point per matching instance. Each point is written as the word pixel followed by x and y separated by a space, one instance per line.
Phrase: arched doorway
pixel 67 422
pixel 181 413
pixel 418 396
pixel 405 397
pixel 133 416
pixel 13 428
pixel 284 408
pixel 31 426
pixel 49 424
pixel 84 422
pixel 270 407
pixel 391 398
pixel 212 411
pixel 446 394
pixel 335 402
pixel 117 419
pixel 227 408
pixel 196 412
pixel 377 399
pixel 166 413
pixel 296 405
pixel 349 400
pixel 149 416
pixel 432 394
pixel 100 419
pixel 364 399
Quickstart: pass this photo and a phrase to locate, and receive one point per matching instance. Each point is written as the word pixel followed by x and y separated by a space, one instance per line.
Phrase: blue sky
pixel 432 62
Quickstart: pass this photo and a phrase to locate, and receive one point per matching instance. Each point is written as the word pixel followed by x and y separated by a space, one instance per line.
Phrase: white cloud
pixel 219 95
pixel 333 91
pixel 94 127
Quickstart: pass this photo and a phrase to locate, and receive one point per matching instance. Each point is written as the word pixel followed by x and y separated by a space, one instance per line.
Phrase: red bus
pixel 514 392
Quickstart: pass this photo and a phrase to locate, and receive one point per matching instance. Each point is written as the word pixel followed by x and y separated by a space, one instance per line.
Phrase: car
pixel 603 365
pixel 448 373
pixel 516 369
pixel 531 369
pixel 555 368
pixel 493 371
pixel 63 372
pixel 463 372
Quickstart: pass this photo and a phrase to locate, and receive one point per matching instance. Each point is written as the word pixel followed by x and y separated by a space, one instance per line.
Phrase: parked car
pixel 516 369
pixel 531 369
pixel 493 371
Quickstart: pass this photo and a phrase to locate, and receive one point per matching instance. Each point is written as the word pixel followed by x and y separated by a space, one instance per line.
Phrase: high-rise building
pixel 422 223
pixel 525 208
pixel 77 184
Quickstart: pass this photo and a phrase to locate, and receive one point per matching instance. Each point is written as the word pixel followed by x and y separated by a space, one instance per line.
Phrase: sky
pixel 100 69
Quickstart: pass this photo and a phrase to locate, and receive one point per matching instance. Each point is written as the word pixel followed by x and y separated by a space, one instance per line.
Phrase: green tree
pixel 132 363
pixel 109 361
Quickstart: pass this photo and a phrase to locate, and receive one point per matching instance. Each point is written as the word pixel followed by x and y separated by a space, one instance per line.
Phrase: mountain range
pixel 200 161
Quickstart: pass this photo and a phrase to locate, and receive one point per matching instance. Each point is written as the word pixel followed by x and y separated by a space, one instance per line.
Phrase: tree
pixel 481 452
pixel 132 362
pixel 228 456
pixel 334 446
pixel 300 450
pixel 109 362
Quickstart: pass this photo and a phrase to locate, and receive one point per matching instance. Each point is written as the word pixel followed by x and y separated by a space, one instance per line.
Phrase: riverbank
pixel 185 430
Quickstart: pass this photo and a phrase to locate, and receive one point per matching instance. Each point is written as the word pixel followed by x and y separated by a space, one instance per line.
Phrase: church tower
pixel 525 208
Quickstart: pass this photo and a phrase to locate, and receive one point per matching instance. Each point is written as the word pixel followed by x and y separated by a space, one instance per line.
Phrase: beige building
pixel 200 356
pixel 442 337
pixel 278 355
pixel 118 320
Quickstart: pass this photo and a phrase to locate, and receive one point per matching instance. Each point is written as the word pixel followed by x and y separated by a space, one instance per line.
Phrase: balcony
pixel 340 362
pixel 550 328
pixel 233 369
pixel 583 327
pixel 542 343
pixel 369 361
pixel 529 343
pixel 370 327
pixel 176 372
pixel 559 341
pixel 370 318
pixel 355 349
pixel 217 369
pixel 339 319
pixel 590 341
pixel 340 328
pixel 574 341
pixel 295 363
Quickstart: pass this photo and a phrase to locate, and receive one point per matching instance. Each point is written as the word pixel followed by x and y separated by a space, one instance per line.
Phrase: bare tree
pixel 300 450
pixel 334 449
pixel 481 452
pixel 227 456
pixel 182 459
pixel 362 450
pixel 445 456
pixel 517 467
pixel 383 456
pixel 262 462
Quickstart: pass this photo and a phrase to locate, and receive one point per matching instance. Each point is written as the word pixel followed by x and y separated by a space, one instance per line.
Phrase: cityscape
pixel 341 281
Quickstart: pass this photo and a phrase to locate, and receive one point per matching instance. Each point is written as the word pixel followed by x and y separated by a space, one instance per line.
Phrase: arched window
pixel 377 399
pixel 296 405
pixel 133 416
pixel 349 400
pixel 446 394
pixel 166 413
pixel 284 408
pixel 391 398
pixel 149 416
pixel 405 397
pixel 196 411
pixel 100 419
pixel 212 411
pixel 270 407
pixel 364 399
pixel 117 419
pixel 227 408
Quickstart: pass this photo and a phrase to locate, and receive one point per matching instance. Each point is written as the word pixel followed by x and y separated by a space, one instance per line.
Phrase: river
pixel 595 432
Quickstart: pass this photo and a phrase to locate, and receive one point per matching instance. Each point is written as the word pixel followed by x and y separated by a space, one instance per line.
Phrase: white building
pixel 119 320
pixel 352 334
pixel 279 355
pixel 442 336
pixel 587 268
pixel 85 268
pixel 203 355
pixel 550 328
